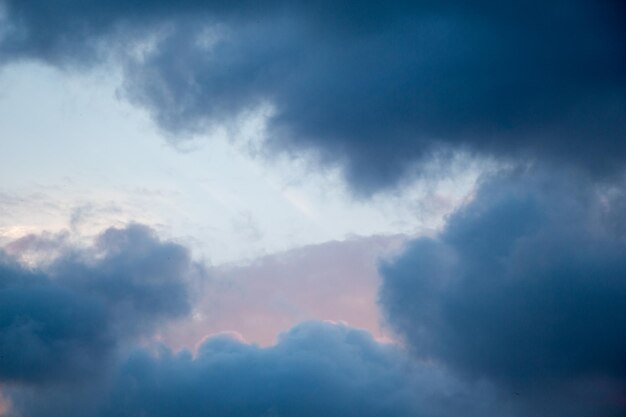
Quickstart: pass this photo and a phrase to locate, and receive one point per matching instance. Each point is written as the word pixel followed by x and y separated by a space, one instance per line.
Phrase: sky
pixel 293 209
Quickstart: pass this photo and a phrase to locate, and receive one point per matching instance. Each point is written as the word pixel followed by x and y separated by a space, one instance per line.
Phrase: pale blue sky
pixel 78 157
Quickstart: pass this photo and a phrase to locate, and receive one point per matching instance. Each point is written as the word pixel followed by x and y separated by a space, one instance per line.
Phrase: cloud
pixel 335 281
pixel 77 339
pixel 315 369
pixel 515 309
pixel 373 87
pixel 526 288
pixel 63 321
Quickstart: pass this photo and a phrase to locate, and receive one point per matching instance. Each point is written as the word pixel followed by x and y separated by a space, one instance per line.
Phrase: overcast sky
pixel 319 208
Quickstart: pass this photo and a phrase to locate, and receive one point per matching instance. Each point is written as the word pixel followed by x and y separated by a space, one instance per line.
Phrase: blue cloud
pixel 314 369
pixel 525 287
pixel 64 322
pixel 375 87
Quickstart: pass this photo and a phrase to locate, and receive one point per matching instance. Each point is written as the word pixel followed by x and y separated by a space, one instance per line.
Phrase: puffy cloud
pixel 373 86
pixel 315 369
pixel 525 287
pixel 47 331
pixel 64 320
pixel 72 326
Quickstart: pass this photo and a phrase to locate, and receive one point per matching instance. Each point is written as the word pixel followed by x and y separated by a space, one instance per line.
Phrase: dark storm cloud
pixel 316 369
pixel 64 322
pixel 374 86
pixel 525 287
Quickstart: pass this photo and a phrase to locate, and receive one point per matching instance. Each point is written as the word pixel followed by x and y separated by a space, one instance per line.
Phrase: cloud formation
pixel 523 291
pixel 76 339
pixel 335 281
pixel 315 369
pixel 374 87
pixel 526 288
pixel 64 321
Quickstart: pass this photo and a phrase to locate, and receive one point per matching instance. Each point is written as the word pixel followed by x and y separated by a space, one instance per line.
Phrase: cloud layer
pixel 517 308
pixel 373 87
pixel 525 288
pixel 315 369
pixel 77 339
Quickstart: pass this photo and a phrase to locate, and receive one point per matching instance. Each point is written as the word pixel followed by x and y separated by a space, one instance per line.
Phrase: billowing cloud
pixel 517 308
pixel 525 287
pixel 372 86
pixel 315 369
pixel 77 328
pixel 64 320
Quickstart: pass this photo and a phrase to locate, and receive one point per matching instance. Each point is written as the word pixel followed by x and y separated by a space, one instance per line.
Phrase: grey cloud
pixel 64 321
pixel 316 369
pixel 374 87
pixel 47 332
pixel 525 287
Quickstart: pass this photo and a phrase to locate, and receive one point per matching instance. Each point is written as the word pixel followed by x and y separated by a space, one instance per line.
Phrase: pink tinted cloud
pixel 5 405
pixel 335 281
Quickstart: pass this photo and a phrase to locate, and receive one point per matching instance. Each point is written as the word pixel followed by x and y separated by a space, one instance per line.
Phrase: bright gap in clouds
pixel 88 160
